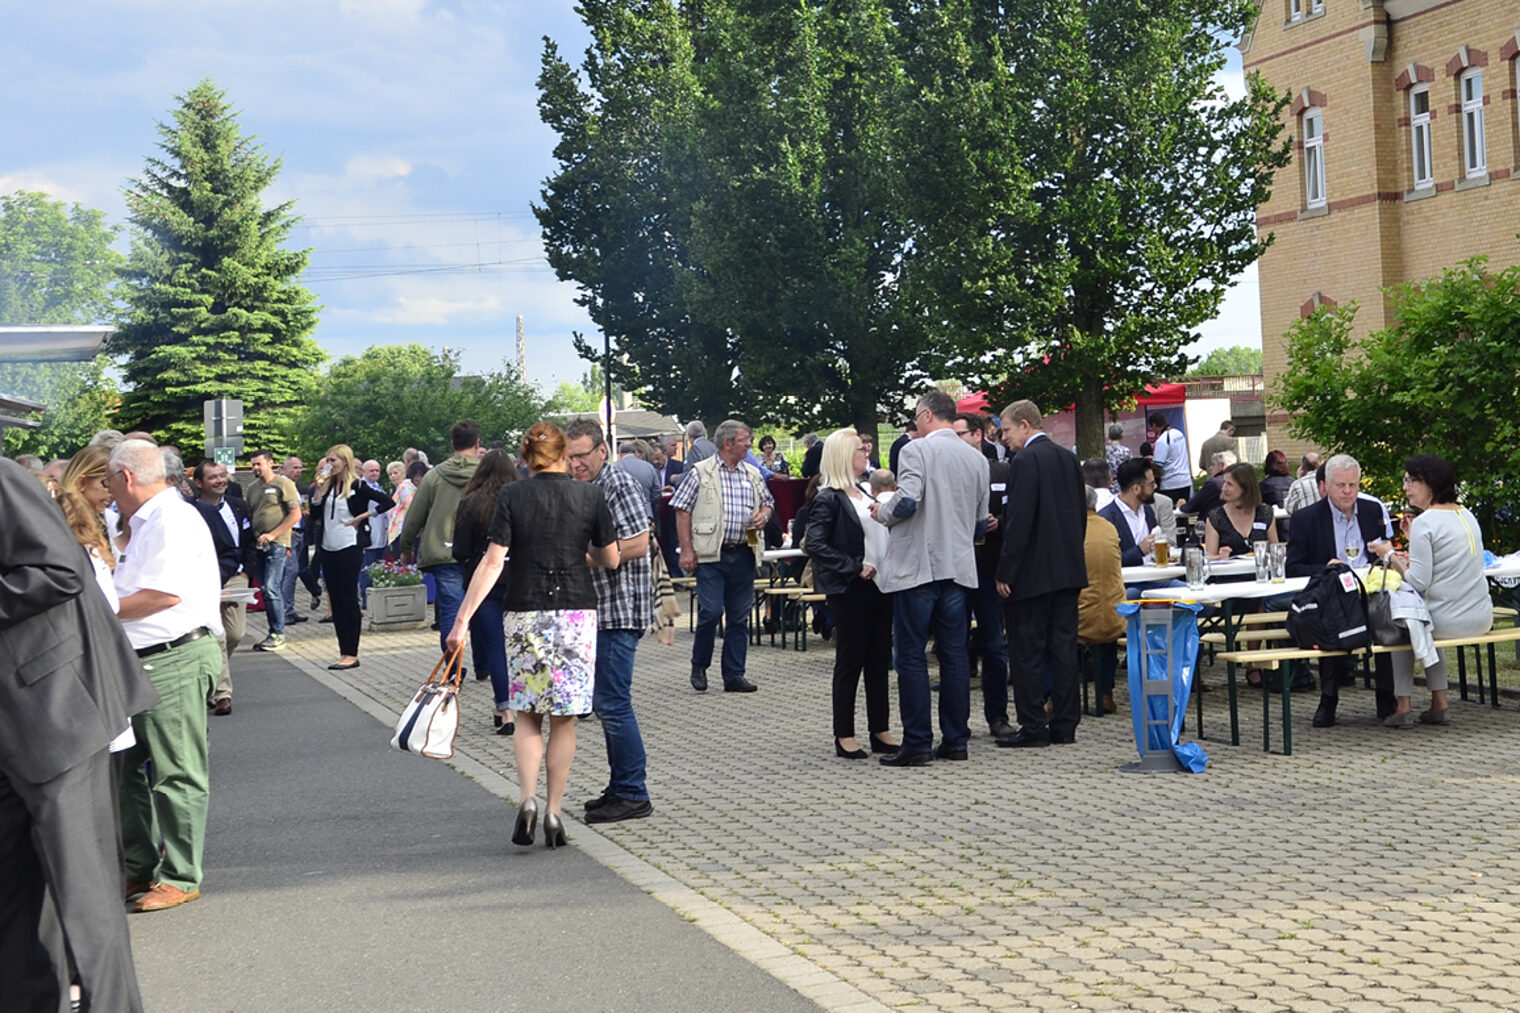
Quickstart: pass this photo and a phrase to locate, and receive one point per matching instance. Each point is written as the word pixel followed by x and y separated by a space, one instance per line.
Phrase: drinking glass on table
pixel 1279 562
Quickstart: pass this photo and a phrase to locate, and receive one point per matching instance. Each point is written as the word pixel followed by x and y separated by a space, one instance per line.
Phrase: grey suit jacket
pixel 69 681
pixel 934 517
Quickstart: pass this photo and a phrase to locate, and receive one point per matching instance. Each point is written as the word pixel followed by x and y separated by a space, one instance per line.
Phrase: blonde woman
pixel 402 490
pixel 83 494
pixel 341 507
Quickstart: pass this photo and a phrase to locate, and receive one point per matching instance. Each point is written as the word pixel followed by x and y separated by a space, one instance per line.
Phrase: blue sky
pixel 409 136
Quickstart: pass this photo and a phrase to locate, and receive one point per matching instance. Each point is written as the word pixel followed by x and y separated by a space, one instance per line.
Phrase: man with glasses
pixel 624 605
pixel 933 521
pixel 987 643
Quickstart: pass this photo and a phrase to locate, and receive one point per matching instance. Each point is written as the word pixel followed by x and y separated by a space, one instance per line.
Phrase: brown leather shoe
pixel 137 887
pixel 224 706
pixel 1108 703
pixel 164 896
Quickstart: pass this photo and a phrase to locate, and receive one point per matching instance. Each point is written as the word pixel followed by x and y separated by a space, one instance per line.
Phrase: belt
pixel 188 638
pixel 735 545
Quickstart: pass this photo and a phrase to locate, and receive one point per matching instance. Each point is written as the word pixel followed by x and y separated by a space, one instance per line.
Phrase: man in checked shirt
pixel 624 607
pixel 720 501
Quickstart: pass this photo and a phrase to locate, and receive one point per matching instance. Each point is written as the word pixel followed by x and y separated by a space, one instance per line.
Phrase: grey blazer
pixel 69 681
pixel 935 515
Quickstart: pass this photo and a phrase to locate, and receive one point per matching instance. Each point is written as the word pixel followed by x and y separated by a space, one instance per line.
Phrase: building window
pixel 1474 149
pixel 1300 9
pixel 1419 130
pixel 1313 135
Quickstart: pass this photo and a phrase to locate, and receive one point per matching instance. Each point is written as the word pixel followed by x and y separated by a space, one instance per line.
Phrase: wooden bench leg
pixel 1493 679
pixel 1462 673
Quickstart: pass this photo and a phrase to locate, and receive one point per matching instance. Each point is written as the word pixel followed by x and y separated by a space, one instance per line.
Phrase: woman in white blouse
pixel 341 508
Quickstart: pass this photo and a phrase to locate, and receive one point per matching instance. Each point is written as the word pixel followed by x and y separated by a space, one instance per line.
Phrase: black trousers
pixel 862 646
pixel 341 571
pixel 1037 626
pixel 64 834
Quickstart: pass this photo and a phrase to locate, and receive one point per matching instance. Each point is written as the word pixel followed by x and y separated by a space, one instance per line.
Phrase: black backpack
pixel 1330 614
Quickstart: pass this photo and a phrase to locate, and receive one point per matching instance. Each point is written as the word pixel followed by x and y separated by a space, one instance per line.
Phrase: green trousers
pixel 167 804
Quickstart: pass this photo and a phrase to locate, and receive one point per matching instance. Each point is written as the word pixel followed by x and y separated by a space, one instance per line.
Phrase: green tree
pixel 1236 360
pixel 731 197
pixel 1145 184
pixel 1436 380
pixel 398 396
pixel 56 267
pixel 585 396
pixel 214 304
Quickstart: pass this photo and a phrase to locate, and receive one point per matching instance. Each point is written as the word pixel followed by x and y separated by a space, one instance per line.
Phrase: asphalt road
pixel 342 875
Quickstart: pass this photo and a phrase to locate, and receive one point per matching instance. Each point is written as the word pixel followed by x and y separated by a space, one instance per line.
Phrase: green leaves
pixel 1439 379
pixel 56 262
pixel 214 304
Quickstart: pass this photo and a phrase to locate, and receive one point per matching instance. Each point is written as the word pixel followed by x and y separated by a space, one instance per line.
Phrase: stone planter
pixel 398 608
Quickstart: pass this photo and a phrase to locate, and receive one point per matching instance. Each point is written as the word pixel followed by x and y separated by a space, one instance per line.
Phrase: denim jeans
pixel 991 648
pixel 938 607
pixel 448 580
pixel 612 700
pixel 292 568
pixel 726 590
pixel 488 647
pixel 272 580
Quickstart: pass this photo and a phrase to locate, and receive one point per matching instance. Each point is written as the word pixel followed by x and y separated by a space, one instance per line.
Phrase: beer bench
pixel 1274 657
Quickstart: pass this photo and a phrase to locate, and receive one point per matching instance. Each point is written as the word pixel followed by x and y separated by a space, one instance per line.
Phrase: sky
pixel 409 138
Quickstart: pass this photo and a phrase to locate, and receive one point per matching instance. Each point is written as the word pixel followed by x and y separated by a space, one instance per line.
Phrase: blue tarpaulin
pixel 1183 631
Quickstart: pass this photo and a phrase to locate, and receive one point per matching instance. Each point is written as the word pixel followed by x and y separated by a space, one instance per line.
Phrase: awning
pixel 64 343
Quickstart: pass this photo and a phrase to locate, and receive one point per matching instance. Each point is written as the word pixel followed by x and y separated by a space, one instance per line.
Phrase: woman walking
pixel 472 524
pixel 846 545
pixel 554 527
pixel 341 507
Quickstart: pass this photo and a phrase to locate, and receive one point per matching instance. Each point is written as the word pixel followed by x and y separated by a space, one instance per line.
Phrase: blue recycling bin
pixel 1163 655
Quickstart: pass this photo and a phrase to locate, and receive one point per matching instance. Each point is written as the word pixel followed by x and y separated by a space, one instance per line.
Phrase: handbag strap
pixel 449 668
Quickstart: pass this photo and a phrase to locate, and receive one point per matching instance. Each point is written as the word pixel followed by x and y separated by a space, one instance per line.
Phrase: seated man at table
pixel 1343 525
pixel 1207 497
pixel 1133 514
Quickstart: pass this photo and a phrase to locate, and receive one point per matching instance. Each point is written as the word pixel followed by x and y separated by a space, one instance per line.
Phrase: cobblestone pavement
pixel 1371 870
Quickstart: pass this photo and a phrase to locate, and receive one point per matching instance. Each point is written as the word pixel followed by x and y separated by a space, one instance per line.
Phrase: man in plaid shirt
pixel 720 501
pixel 624 607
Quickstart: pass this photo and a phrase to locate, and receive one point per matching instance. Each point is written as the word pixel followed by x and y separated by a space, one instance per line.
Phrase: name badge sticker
pixel 1348 581
pixel 1259 526
pixel 999 486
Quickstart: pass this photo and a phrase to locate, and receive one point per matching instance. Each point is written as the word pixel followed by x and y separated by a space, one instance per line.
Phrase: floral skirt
pixel 551 660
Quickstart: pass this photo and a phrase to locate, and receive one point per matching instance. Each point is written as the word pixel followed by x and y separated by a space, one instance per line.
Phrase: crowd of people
pixel 125 581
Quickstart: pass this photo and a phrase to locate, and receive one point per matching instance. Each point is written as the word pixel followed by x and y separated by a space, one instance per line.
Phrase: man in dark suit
pixel 1131 512
pixel 987 647
pixel 1330 531
pixel 1043 567
pixel 895 451
pixel 236 554
pixel 665 518
pixel 69 684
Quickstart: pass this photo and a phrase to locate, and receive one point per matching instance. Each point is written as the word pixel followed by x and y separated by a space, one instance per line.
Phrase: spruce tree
pixel 214 304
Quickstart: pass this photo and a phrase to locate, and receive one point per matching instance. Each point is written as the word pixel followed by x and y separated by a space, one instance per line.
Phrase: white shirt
pixel 337 534
pixel 1138 528
pixel 876 534
pixel 1171 459
pixel 1104 497
pixel 379 524
pixel 170 552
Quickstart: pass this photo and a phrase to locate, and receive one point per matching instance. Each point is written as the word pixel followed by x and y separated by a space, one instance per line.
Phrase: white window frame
pixel 1314 156
pixel 1474 141
pixel 1419 137
pixel 1300 9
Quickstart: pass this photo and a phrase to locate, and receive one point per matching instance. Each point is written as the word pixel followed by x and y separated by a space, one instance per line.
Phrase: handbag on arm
pixel 430 719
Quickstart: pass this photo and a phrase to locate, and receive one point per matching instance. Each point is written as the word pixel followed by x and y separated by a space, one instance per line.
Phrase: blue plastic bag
pixel 1184 633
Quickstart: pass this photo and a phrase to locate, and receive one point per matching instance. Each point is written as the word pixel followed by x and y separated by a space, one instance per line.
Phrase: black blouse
pixel 1228 536
pixel 547 523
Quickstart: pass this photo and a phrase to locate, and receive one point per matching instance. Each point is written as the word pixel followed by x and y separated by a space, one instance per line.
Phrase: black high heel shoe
pixel 554 831
pixel 848 754
pixel 527 822
pixel 878 746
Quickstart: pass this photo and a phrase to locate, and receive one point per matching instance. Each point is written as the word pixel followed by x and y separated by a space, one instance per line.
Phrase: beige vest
pixel 707 511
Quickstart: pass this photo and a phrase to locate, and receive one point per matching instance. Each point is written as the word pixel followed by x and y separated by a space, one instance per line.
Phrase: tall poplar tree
pixel 215 307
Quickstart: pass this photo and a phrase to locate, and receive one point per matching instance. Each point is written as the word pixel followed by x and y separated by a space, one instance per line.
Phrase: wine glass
pixel 1352 552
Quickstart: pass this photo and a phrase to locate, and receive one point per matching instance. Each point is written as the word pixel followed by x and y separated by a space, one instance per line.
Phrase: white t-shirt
pixel 170 551
pixel 1172 457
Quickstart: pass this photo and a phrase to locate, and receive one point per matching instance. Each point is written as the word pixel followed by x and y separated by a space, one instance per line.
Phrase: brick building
pixel 1406 157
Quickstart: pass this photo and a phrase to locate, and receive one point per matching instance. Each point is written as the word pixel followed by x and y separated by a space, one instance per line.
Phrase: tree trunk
pixel 1089 419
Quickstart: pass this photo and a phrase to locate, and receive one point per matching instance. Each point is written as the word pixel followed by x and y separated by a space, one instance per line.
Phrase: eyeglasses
pixel 582 457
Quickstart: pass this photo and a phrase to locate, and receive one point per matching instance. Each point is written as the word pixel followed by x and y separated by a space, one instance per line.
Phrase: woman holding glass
pixel 846 545
pixel 341 507
pixel 557 529
pixel 1445 564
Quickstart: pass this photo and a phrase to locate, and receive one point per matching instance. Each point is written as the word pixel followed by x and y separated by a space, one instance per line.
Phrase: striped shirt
pixel 625 596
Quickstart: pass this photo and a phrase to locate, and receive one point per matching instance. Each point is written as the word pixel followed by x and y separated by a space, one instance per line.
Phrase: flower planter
pixel 398 608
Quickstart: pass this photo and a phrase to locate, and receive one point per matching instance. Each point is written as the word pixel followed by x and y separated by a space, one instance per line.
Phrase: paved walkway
pixel 1371 870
